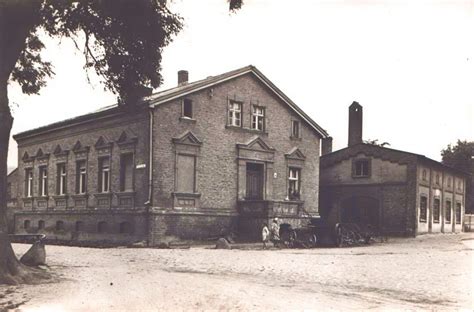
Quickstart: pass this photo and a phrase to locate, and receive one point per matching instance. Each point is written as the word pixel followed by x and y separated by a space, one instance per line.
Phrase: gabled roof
pixel 381 152
pixel 183 90
pixel 174 93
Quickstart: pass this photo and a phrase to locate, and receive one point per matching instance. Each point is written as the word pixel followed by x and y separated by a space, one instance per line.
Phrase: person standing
pixel 265 235
pixel 275 232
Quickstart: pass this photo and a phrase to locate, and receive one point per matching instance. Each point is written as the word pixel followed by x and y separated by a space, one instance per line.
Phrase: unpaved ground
pixel 428 272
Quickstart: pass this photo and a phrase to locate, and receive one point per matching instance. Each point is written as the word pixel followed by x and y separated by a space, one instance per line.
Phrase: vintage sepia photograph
pixel 236 155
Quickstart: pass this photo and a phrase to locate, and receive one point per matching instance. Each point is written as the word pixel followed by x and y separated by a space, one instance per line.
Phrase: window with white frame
pixel 361 168
pixel 43 181
pixel 29 182
pixel 294 183
pixel 258 118
pixel 61 179
pixel 81 177
pixel 104 175
pixel 235 114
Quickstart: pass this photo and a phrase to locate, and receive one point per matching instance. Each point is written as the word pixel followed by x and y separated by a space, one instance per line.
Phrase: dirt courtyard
pixel 427 272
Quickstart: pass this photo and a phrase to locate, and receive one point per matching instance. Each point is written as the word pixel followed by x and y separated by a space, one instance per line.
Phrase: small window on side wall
pixel 295 129
pixel 361 168
pixel 436 210
pixel 458 213
pixel 423 209
pixel 188 108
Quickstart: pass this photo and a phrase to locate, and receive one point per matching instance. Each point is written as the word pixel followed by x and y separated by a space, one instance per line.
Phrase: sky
pixel 410 64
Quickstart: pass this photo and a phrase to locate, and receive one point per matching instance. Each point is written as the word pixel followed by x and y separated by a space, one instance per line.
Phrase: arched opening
pixel 362 210
pixel 102 227
pixel 26 224
pixel 125 228
pixel 40 225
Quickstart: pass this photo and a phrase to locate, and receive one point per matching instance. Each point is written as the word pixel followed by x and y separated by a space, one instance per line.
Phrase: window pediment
pixel 257 144
pixel 188 138
pixel 79 150
pixel 295 153
pixel 126 140
pixel 27 158
pixel 58 151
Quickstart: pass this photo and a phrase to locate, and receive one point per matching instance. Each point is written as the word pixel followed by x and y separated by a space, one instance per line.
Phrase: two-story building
pixel 217 155
pixel 398 192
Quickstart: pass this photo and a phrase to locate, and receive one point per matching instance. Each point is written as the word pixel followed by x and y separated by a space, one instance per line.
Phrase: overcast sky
pixel 409 64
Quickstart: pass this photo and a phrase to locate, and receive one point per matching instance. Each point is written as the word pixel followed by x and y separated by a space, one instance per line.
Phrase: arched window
pixel 40 224
pixel 26 224
pixel 102 227
pixel 125 228
pixel 79 226
pixel 59 225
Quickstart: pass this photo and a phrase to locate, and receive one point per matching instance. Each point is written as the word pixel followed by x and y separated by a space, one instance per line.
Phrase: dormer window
pixel 188 108
pixel 361 168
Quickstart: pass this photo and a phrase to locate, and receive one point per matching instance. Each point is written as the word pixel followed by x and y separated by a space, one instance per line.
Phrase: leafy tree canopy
pixel 459 156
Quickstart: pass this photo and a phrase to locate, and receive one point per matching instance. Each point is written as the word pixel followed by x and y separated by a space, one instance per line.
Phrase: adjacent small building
pixel 397 192
pixel 217 155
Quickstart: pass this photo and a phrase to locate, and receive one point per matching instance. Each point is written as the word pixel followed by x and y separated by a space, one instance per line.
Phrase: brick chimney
pixel 182 77
pixel 326 146
pixel 355 124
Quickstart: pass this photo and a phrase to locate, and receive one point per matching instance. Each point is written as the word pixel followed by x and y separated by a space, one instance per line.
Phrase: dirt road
pixel 428 272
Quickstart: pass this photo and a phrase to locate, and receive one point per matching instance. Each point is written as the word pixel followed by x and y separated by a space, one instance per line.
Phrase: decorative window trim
pixel 59 179
pixel 104 164
pixel 43 181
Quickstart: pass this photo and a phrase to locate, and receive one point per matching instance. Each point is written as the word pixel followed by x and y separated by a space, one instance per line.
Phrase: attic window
pixel 188 108
pixel 361 168
pixel 295 129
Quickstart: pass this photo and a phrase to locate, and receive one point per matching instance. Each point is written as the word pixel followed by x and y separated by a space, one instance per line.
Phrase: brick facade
pixel 395 182
pixel 199 165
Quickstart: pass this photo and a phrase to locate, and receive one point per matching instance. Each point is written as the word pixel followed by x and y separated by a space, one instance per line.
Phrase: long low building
pixel 221 154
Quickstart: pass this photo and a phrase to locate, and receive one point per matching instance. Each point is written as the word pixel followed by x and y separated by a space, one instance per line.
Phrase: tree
pixel 123 42
pixel 376 142
pixel 461 157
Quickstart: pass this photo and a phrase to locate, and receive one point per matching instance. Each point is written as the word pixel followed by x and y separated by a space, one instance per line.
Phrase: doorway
pixel 255 180
pixel 361 210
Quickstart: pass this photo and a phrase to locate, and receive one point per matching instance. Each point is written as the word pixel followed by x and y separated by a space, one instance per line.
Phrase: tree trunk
pixel 17 19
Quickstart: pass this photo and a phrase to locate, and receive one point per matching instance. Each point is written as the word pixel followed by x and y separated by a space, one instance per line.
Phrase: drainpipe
pixel 148 203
